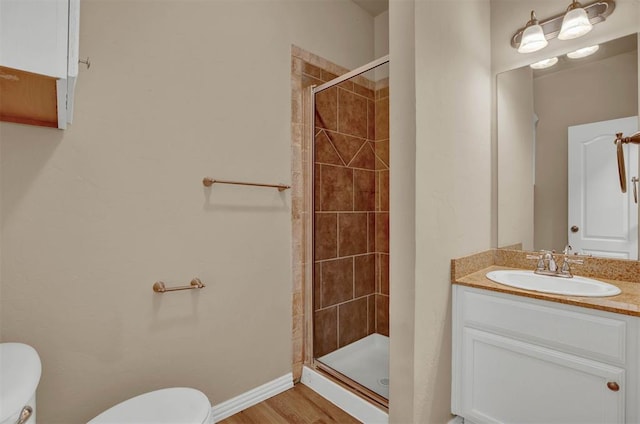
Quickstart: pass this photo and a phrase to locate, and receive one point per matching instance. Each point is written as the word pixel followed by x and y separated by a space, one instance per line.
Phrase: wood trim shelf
pixel 28 98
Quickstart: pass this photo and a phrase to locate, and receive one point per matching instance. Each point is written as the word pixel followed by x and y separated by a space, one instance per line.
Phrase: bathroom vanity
pixel 522 356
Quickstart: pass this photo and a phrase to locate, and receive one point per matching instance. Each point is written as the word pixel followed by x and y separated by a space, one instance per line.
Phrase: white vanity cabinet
pixel 38 60
pixel 523 360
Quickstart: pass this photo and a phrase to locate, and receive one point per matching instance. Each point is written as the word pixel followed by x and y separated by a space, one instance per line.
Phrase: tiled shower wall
pixel 351 270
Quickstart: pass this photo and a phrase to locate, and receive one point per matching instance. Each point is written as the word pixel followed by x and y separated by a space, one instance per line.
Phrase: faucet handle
pixel 566 269
pixel 539 258
pixel 574 261
pixel 541 254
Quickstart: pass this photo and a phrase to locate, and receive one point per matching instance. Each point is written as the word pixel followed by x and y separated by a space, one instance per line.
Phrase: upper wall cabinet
pixel 38 61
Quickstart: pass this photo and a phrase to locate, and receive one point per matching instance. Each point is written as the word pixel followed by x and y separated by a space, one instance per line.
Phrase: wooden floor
pixel 298 405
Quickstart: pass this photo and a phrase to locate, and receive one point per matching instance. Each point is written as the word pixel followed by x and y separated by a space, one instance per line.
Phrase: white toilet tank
pixel 20 371
pixel 166 406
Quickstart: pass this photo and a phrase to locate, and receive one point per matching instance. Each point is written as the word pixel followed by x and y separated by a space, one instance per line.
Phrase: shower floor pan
pixel 365 361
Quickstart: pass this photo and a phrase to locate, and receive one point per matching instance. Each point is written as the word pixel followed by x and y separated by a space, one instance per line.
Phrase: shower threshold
pixel 365 361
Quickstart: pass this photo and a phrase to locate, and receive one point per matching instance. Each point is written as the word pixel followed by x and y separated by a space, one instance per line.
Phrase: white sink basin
pixel 576 286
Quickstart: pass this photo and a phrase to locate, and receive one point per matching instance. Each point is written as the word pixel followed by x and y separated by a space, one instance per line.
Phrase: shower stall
pixel 350 227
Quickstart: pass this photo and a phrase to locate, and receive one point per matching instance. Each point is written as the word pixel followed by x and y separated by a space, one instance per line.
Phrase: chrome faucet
pixel 548 265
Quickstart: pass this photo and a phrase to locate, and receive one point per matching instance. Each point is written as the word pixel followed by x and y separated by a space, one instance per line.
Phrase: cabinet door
pixel 34 36
pixel 508 381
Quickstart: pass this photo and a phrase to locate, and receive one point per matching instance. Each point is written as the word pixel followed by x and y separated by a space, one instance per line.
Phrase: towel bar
pixel 208 182
pixel 159 286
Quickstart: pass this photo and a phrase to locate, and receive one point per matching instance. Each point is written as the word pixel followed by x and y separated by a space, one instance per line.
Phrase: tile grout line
pixel 353 167
pixel 348 212
pixel 349 135
pixel 338 235
pixel 367 315
pixel 334 148
pixel 355 93
pixel 353 190
pixel 366 143
pixel 355 255
pixel 321 287
pixel 353 277
pixel 324 308
pixel 351 256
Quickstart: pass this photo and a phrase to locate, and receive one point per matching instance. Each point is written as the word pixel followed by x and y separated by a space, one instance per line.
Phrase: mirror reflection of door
pixel 602 221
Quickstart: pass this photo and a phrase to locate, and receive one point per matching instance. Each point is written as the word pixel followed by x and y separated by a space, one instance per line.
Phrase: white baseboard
pixel 252 397
pixel 343 399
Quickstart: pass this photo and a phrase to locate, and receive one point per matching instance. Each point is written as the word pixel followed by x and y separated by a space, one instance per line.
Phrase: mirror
pixel 547 196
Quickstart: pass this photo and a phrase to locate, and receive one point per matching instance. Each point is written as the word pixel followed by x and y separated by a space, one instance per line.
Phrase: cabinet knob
pixel 613 386
pixel 87 62
pixel 575 229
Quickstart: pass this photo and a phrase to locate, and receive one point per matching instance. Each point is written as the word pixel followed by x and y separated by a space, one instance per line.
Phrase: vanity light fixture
pixel 576 21
pixel 583 52
pixel 533 38
pixel 543 64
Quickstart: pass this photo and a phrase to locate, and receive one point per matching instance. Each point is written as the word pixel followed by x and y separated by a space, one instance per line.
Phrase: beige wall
pixel 453 101
pixel 381 27
pixel 450 188
pixel 381 44
pixel 561 100
pixel 402 217
pixel 93 215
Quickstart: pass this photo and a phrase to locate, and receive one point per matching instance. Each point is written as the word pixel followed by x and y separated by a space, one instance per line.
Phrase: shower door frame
pixel 309 255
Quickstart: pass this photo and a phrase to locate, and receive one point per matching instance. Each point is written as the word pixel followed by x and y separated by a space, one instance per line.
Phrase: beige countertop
pixel 627 302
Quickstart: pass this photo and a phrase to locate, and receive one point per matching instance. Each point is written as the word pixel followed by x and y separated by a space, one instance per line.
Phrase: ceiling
pixel 373 7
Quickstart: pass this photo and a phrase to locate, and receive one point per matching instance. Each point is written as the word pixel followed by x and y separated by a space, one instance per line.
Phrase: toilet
pixel 20 370
pixel 176 405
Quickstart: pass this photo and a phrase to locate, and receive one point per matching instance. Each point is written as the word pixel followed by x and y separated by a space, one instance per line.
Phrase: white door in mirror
pixel 576 286
pixel 602 221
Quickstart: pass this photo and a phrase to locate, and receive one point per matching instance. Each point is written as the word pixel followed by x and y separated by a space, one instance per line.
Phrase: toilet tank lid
pixel 166 406
pixel 20 370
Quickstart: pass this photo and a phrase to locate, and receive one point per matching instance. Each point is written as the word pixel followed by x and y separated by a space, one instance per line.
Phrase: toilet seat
pixel 176 405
